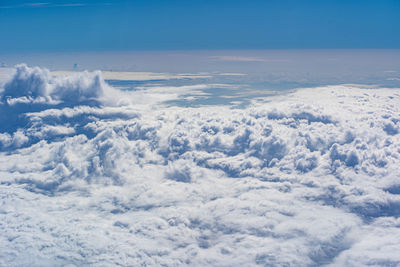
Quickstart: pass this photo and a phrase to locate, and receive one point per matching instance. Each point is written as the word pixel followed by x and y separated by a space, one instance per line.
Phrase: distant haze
pixel 303 67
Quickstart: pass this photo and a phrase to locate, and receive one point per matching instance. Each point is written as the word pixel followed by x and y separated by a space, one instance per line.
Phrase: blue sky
pixel 183 25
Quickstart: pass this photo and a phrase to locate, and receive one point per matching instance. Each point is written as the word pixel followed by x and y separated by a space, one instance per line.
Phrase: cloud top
pixel 37 85
pixel 308 178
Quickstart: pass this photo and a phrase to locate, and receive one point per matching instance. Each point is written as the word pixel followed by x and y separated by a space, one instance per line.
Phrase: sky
pixel 79 25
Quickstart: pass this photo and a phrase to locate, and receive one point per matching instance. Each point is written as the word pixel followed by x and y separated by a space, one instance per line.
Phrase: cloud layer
pixel 308 178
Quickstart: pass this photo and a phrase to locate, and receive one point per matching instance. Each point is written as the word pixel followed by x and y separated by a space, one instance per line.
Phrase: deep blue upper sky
pixel 84 25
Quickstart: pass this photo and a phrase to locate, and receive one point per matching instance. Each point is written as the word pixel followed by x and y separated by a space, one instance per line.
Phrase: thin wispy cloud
pixel 37 4
pixel 66 5
pixel 47 4
pixel 247 59
pixel 238 58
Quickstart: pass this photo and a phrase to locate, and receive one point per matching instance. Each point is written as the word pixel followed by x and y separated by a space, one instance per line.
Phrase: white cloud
pixel 307 178
pixel 30 85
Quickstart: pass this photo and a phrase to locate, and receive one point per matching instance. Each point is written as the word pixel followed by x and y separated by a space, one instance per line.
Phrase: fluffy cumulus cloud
pixel 38 86
pixel 309 178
